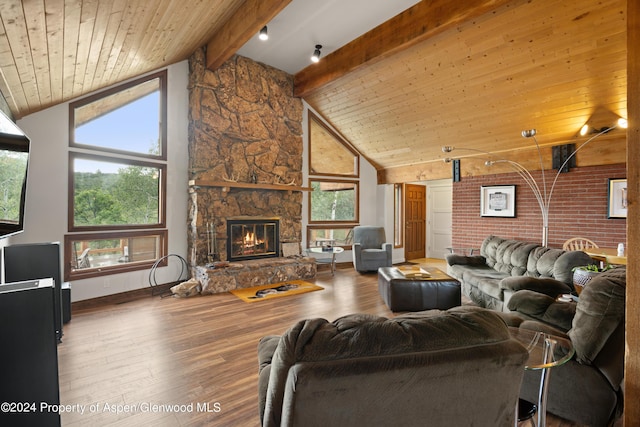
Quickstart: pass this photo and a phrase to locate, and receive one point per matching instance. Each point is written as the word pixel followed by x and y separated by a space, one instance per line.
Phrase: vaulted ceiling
pixel 469 74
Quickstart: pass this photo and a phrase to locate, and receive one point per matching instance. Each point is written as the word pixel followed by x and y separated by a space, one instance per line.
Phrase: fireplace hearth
pixel 252 238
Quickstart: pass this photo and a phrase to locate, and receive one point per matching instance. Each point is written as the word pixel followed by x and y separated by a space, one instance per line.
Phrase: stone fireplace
pixel 252 238
pixel 245 161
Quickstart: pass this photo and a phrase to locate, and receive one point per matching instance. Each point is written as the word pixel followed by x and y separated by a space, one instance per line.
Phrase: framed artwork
pixel 498 200
pixel 617 205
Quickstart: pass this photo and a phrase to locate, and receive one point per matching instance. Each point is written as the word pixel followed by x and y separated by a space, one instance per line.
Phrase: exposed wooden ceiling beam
pixel 241 26
pixel 418 23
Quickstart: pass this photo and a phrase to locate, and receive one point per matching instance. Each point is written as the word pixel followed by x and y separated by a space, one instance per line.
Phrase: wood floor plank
pixel 191 361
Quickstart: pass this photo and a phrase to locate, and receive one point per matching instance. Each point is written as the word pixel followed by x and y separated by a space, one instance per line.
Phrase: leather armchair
pixel 370 251
pixel 588 388
pixel 437 368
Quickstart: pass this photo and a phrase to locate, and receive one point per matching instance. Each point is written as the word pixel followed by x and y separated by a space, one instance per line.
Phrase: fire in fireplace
pixel 252 238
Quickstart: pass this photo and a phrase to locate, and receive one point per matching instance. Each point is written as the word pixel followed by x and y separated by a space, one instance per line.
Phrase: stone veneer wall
pixel 245 125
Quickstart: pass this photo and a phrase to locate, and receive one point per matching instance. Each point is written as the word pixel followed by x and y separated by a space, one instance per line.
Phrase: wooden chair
pixel 83 260
pixel 578 244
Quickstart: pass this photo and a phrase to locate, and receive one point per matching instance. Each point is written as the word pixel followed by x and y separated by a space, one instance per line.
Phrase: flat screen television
pixel 14 161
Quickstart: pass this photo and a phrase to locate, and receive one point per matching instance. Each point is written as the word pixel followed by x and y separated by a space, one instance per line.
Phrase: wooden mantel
pixel 227 185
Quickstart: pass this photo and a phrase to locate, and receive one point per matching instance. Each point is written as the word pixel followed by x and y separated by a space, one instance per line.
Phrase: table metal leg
pixel 549 347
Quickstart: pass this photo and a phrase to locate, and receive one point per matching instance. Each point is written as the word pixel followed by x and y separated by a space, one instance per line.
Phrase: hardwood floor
pixel 190 362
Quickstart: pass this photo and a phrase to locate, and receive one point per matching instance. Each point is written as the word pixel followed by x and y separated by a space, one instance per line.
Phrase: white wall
pixel 46 203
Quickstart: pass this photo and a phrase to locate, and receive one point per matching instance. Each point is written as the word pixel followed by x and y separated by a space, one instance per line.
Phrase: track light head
pixel 316 53
pixel 264 35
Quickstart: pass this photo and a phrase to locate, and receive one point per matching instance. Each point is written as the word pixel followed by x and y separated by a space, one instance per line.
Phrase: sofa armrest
pixel 455 259
pixel 543 308
pixel 511 319
pixel 356 253
pixel 266 349
pixel 547 286
pixel 537 326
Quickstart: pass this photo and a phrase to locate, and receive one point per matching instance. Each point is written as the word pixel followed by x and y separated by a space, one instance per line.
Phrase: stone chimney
pixel 245 128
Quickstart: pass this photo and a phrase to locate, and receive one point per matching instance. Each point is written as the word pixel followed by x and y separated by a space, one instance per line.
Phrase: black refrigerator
pixel 29 387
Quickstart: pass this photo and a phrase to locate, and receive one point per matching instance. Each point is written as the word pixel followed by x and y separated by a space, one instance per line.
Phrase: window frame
pixel 313 118
pixel 355 220
pixel 99 153
pixel 162 78
pixel 311 228
pixel 398 215
pixel 162 203
pixel 76 274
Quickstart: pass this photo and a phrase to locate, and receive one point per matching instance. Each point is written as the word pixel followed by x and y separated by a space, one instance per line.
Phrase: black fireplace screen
pixel 252 239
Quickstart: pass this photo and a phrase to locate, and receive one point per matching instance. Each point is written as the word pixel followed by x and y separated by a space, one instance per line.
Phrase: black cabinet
pixel 37 261
pixel 29 388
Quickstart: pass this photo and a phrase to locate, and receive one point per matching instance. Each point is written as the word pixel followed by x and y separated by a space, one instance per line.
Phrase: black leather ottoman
pixel 412 294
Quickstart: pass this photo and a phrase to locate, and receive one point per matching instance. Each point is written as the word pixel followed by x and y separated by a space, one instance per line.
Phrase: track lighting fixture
pixel 264 35
pixel 316 53
pixel 589 129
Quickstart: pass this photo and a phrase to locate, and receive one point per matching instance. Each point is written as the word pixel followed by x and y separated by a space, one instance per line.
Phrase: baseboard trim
pixel 121 297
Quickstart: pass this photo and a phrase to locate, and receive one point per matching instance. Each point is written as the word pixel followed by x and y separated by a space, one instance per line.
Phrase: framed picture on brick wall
pixel 498 200
pixel 617 206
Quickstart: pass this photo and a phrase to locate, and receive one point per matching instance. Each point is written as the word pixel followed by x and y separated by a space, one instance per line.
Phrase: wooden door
pixel 415 211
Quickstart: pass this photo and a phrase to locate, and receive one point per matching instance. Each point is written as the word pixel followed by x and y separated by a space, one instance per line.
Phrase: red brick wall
pixel 578 208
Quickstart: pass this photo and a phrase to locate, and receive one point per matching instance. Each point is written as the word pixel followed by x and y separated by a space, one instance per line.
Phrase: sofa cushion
pixel 504 256
pixel 369 237
pixel 537 306
pixel 456 259
pixel 600 310
pixel 543 285
pixel 542 262
pixel 532 262
pixel 489 248
pixel 520 258
pixel 490 286
pixel 475 274
pixel 564 265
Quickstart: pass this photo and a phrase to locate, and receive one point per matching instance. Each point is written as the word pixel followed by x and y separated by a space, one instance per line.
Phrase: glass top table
pixel 545 352
pixel 333 250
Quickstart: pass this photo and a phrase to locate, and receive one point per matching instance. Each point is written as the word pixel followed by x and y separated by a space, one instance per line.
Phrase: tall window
pixel 334 199
pixel 117 179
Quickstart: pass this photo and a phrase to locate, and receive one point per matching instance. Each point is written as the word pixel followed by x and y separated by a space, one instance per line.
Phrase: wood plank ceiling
pixel 527 64
pixel 446 76
pixel 56 50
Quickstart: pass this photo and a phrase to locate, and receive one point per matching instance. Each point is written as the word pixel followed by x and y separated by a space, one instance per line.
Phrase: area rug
pixel 275 290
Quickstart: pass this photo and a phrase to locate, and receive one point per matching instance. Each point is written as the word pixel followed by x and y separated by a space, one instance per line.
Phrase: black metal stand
pixel 184 267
